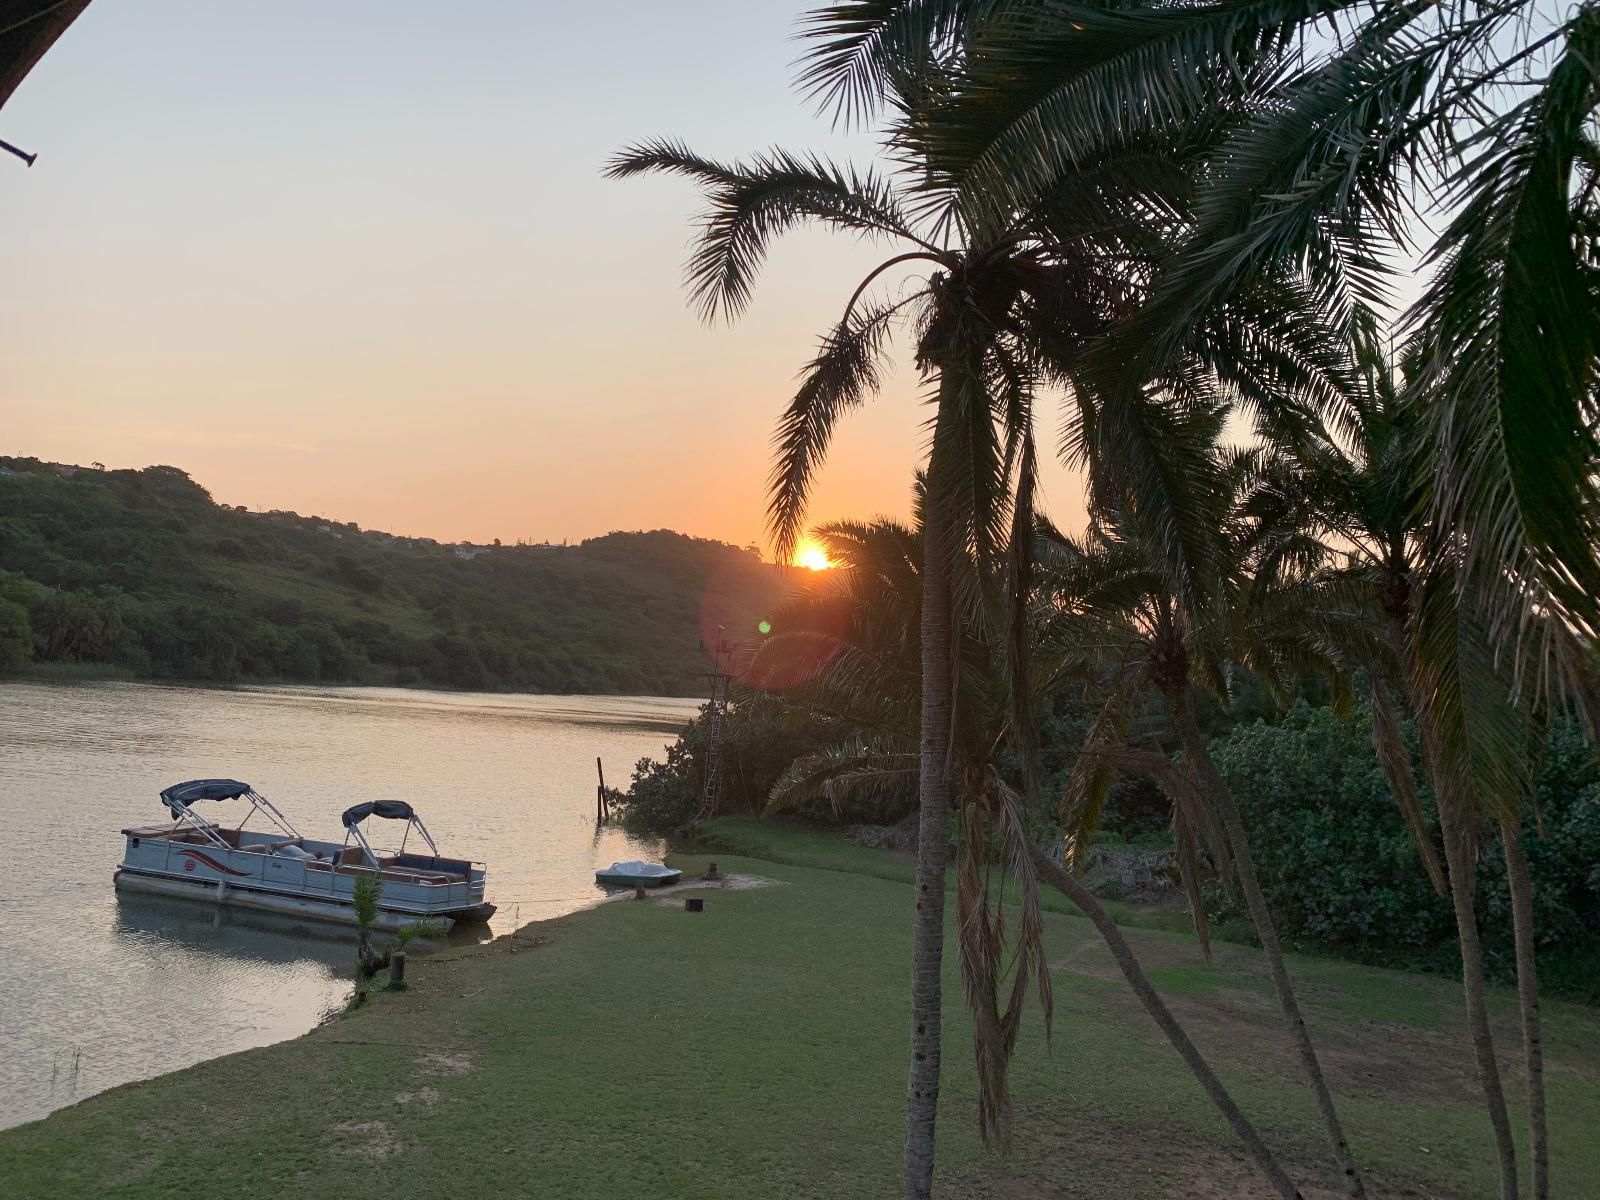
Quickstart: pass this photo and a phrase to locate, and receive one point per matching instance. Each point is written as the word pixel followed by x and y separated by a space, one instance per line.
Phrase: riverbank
pixel 96 672
pixel 757 1049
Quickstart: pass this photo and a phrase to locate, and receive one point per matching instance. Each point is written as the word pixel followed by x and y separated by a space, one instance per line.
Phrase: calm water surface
pixel 98 989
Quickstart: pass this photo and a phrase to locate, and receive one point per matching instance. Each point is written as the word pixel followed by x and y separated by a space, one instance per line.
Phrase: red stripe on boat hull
pixel 211 862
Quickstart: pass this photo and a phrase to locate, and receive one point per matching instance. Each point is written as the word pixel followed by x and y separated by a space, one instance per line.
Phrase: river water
pixel 98 988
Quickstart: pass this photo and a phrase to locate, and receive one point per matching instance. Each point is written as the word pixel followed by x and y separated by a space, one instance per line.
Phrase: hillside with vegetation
pixel 143 574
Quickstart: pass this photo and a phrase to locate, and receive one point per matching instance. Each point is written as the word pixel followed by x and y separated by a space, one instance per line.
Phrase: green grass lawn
pixel 758 1050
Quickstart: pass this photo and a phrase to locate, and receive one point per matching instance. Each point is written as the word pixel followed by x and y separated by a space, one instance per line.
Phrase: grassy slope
pixel 758 1050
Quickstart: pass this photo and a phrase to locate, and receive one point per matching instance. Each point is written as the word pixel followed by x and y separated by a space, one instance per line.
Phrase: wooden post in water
pixel 602 808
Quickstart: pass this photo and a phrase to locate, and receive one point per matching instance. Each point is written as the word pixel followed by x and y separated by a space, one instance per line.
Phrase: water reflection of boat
pixel 280 871
pixel 236 933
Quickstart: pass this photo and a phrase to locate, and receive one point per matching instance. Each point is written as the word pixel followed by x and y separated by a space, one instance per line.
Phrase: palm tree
pixel 1485 109
pixel 1488 110
pixel 1111 590
pixel 1012 297
pixel 1354 510
pixel 853 655
pixel 1002 309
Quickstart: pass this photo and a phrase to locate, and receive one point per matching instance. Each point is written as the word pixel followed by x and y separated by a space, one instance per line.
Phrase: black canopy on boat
pixel 395 810
pixel 181 795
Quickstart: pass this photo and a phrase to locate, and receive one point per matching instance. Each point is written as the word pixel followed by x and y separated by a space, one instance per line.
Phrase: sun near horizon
pixel 810 555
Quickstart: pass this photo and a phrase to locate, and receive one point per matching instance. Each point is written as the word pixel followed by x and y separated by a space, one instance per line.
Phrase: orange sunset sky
pixel 357 259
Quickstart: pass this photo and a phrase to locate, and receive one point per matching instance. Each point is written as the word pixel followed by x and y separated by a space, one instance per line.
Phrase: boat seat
pixel 409 875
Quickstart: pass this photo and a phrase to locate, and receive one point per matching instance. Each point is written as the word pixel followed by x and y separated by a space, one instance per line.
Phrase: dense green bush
pixel 1341 872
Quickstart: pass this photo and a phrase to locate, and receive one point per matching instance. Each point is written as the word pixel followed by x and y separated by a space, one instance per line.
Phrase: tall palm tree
pixel 1001 309
pixel 853 655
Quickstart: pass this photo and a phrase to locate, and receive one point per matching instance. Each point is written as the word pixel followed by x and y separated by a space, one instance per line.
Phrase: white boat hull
pixel 322 911
pixel 298 876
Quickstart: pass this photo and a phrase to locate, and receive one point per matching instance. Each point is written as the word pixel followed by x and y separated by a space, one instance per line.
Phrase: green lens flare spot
pixel 764 627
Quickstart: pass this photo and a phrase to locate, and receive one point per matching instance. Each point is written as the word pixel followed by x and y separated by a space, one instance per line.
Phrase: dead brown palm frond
pixel 996 850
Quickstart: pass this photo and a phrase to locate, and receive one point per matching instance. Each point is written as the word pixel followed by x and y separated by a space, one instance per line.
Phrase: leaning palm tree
pixel 1111 590
pixel 1352 509
pixel 851 653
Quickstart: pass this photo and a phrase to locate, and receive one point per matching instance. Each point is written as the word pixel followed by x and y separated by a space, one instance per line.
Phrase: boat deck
pixel 328 856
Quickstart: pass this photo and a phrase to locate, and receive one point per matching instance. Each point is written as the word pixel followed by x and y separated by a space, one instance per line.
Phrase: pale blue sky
pixel 357 258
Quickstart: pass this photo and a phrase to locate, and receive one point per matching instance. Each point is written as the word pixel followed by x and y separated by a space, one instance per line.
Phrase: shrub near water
pixel 762 736
pixel 1342 874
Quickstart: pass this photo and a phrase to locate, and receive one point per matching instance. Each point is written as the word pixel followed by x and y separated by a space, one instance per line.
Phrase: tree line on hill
pixel 141 573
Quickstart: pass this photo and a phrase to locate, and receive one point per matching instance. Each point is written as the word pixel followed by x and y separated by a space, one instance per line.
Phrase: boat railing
pixel 256 864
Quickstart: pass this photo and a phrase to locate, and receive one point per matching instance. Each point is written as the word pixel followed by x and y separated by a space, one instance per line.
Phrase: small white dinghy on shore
pixel 637 873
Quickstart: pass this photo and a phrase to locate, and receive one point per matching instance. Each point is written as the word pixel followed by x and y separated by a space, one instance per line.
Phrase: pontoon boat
pixel 277 870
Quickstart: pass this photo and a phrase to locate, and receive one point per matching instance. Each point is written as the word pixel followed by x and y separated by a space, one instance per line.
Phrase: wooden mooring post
pixel 602 807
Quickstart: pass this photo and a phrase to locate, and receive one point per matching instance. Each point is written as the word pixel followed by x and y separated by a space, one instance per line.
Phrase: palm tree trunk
pixel 933 837
pixel 1463 883
pixel 1528 994
pixel 1071 887
pixel 1220 795
pixel 1458 858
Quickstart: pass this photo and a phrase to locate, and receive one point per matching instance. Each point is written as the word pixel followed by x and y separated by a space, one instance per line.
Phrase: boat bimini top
pixel 393 810
pixel 180 796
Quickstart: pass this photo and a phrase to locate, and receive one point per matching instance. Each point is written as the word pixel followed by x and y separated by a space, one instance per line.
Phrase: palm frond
pixel 1329 145
pixel 991 813
pixel 1511 335
pixel 1083 799
pixel 751 204
pixel 1478 738
pixel 1192 821
pixel 865 53
pixel 1048 87
pixel 845 371
pixel 841 772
